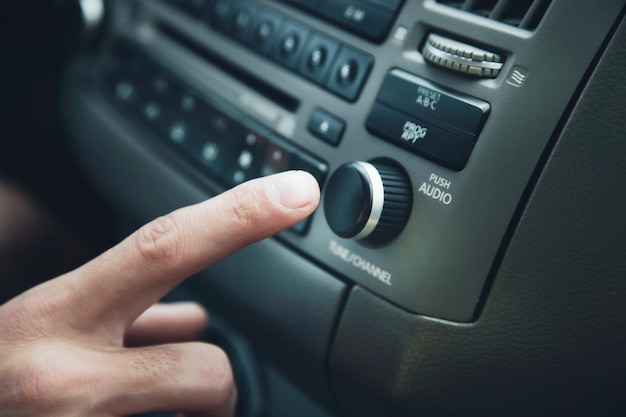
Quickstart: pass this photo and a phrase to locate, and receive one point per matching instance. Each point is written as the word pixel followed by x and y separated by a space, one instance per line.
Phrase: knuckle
pixel 220 376
pixel 159 241
pixel 243 205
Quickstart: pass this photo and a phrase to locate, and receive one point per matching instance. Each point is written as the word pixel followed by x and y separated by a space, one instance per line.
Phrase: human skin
pixel 64 345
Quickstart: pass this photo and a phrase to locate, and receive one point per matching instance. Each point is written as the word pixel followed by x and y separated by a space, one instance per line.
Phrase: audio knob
pixel 368 201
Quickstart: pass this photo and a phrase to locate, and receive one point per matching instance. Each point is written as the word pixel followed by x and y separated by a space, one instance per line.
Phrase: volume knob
pixel 369 201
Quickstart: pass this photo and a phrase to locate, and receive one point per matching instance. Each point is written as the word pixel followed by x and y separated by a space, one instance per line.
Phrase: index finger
pixel 127 279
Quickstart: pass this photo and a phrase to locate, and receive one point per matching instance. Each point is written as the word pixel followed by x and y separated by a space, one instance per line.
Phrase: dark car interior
pixel 468 257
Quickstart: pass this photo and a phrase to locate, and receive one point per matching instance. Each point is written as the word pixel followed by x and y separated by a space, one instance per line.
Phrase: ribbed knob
pixel 369 201
pixel 461 57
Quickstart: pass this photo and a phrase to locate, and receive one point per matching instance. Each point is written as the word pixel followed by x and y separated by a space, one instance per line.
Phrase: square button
pixel 419 136
pixel 290 44
pixel 315 63
pixel 349 73
pixel 248 160
pixel 241 21
pixel 327 126
pixel 265 29
pixel 277 159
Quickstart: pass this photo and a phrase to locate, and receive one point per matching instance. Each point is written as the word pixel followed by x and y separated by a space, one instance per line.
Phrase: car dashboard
pixel 467 254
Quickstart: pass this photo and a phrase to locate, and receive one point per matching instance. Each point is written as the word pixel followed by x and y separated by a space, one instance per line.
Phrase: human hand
pixel 62 343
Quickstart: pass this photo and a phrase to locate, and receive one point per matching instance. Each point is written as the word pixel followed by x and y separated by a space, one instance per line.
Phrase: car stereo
pixel 423 131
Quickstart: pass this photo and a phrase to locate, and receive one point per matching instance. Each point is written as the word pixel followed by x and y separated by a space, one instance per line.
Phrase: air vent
pixel 524 14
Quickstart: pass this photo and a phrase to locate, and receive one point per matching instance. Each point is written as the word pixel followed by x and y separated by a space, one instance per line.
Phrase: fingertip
pixel 294 190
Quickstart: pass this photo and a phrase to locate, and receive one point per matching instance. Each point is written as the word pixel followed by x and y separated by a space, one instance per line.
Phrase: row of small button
pixel 339 68
pixel 217 142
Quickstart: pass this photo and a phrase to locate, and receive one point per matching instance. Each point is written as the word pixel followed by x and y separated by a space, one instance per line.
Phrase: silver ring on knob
pixel 377 191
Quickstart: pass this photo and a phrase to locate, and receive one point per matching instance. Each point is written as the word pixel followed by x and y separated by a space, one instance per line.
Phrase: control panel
pixel 423 140
pixel 426 119
pixel 211 135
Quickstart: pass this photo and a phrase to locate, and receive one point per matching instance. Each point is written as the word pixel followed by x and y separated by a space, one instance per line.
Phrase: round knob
pixel 369 201
pixel 461 57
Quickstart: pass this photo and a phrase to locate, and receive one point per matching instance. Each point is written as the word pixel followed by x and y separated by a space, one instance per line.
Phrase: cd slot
pixel 268 91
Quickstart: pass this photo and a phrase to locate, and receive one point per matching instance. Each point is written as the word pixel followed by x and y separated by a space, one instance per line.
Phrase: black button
pixel 178 131
pixel 264 32
pixel 158 90
pixel 125 91
pixel 316 62
pixel 156 113
pixel 326 126
pixel 419 136
pixel 290 44
pixel 363 18
pixel 218 143
pixel 214 153
pixel 349 73
pixel 178 105
pixel 241 21
pixel 219 124
pixel 421 98
pixel 152 111
pixel 277 159
pixel 249 152
pixel 213 141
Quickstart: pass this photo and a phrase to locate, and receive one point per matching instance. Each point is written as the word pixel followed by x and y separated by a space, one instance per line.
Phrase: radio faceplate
pixel 281 114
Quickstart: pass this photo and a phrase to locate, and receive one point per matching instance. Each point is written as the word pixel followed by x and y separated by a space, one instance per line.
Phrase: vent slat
pixel 469 5
pixel 484 7
pixel 515 12
pixel 534 15
pixel 525 14
pixel 501 9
